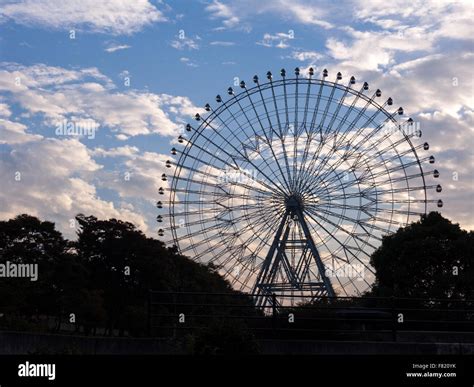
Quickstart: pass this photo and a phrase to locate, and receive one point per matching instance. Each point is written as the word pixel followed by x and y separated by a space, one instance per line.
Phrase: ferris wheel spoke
pixel 351 281
pixel 315 170
pixel 333 118
pixel 374 192
pixel 249 264
pixel 315 115
pixel 354 122
pixel 340 228
pixel 257 136
pixel 256 250
pixel 338 108
pixel 258 220
pixel 224 187
pixel 295 137
pixel 306 104
pixel 391 181
pixel 368 138
pixel 362 278
pixel 369 207
pixel 270 185
pixel 220 213
pixel 345 248
pixel 244 156
pixel 277 113
pixel 268 140
pixel 216 178
pixel 357 96
pixel 359 222
pixel 348 129
pixel 313 214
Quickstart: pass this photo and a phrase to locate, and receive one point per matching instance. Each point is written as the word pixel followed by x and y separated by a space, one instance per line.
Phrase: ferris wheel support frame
pixel 265 286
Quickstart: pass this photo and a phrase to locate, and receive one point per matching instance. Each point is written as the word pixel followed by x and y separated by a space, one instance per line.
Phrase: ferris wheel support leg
pixel 258 291
pixel 314 250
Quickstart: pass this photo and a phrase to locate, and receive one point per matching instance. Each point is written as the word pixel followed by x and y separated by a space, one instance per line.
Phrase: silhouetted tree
pixel 429 258
pixel 126 264
pixel 27 240
pixel 103 277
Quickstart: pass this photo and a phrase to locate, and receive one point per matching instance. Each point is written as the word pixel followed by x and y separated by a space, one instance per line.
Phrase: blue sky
pixel 137 71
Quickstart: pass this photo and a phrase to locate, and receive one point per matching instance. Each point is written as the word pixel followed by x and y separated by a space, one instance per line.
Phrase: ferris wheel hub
pixel 294 202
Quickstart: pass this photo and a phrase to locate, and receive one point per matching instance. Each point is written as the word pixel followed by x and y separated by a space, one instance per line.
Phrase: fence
pixel 174 314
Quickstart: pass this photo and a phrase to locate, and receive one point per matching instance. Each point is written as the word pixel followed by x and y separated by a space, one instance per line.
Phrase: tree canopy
pixel 431 258
pixel 103 277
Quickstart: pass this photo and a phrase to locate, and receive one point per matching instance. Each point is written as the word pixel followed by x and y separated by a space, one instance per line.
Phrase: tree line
pixel 101 279
pixel 104 276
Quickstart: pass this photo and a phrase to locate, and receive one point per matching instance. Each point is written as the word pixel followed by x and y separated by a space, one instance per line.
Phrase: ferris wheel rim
pixel 196 133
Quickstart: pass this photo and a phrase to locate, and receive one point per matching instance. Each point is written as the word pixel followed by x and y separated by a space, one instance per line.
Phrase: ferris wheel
pixel 287 186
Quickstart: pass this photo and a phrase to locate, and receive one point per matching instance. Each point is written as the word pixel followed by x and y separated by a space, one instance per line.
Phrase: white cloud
pixel 374 50
pixel 435 19
pixel 234 14
pixel 55 184
pixel 114 17
pixel 188 62
pixel 219 10
pixel 123 151
pixel 5 110
pixel 304 56
pixel 222 43
pixel 117 47
pixel 61 176
pixel 143 171
pixel 14 76
pixel 305 13
pixel 185 43
pixel 442 19
pixel 55 94
pixel 279 40
pixel 15 133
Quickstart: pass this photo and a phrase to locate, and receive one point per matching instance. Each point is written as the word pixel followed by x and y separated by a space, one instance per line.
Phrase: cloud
pixel 60 176
pixel 238 13
pixel 52 179
pixel 185 43
pixel 113 17
pixel 219 10
pixel 15 133
pixel 5 110
pixel 374 50
pixel 305 13
pixel 117 47
pixel 222 43
pixel 54 94
pixel 304 56
pixel 279 40
pixel 442 19
pixel 136 174
pixel 188 62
